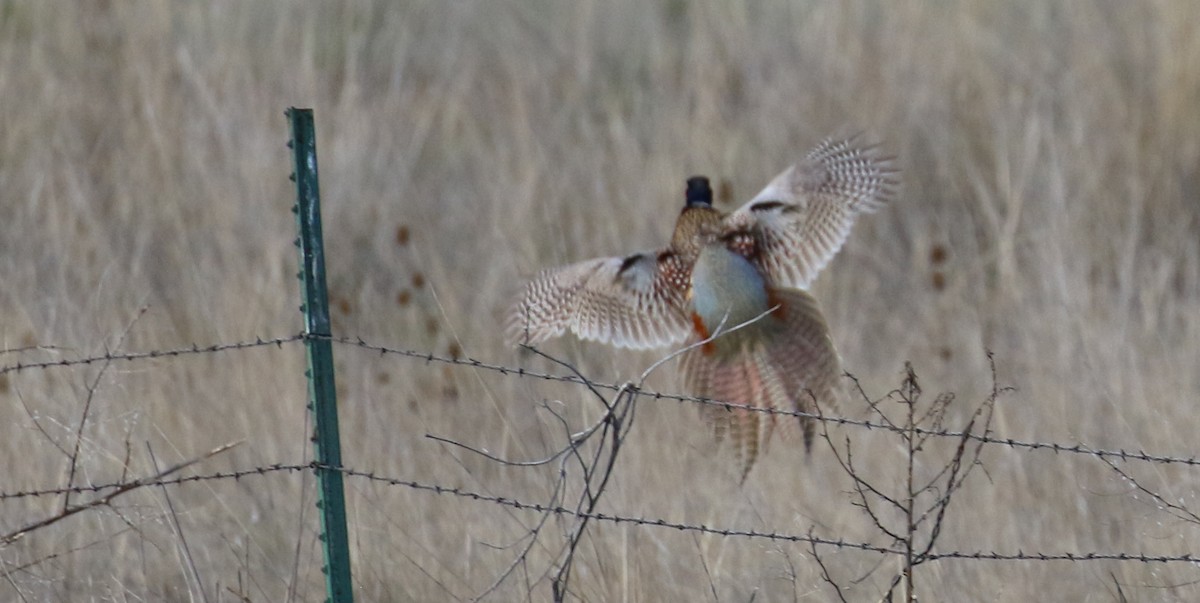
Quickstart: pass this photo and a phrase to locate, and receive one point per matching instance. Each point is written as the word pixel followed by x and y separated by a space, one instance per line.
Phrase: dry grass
pixel 1051 151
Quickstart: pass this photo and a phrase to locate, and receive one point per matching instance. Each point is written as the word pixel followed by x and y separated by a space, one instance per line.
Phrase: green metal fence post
pixel 322 396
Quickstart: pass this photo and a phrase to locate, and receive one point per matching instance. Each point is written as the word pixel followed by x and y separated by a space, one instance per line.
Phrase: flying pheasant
pixel 735 283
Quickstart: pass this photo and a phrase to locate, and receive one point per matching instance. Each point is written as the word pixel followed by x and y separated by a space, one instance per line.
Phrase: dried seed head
pixel 939 280
pixel 724 191
pixel 937 254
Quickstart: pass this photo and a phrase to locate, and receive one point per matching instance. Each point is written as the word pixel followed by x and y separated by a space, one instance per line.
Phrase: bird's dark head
pixel 698 193
pixel 698 220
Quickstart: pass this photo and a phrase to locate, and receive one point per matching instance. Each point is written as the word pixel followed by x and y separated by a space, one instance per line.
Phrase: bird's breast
pixel 727 290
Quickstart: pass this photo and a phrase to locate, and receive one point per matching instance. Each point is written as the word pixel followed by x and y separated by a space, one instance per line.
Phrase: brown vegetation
pixel 1050 213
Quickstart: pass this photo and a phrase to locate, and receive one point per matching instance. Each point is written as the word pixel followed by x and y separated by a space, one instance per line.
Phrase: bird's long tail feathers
pixel 787 362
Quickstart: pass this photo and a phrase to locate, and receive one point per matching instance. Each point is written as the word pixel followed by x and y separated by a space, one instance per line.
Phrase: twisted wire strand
pixel 1056 447
pixel 150 354
pixel 623 519
pixel 1078 448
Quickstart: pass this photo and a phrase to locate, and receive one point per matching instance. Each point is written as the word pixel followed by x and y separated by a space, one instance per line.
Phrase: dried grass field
pixel 1050 214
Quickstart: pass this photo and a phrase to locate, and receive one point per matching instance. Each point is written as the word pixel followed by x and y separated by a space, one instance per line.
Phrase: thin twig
pixel 187 552
pixel 492 457
pixel 36 347
pixel 825 575
pixel 531 536
pixel 712 588
pixel 57 554
pixel 1178 511
pixel 87 405
pixel 33 417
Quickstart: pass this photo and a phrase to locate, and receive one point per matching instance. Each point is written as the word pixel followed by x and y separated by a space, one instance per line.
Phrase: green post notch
pixel 322 396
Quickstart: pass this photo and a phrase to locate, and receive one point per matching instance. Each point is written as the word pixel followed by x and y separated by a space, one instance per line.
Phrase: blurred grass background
pixel 1050 213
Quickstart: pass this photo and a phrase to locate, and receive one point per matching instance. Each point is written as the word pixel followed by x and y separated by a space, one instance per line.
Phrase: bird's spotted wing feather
pixel 630 302
pixel 802 218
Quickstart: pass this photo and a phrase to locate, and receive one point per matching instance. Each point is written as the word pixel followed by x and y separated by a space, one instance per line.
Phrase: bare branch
pixel 492 457
pixel 108 498
pixel 87 405
pixel 825 575
pixel 1177 510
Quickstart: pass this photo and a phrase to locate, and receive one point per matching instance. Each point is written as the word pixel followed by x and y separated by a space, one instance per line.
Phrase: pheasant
pixel 732 285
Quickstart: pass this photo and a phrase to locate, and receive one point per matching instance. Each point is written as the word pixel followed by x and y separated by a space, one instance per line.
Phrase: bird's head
pixel 698 193
pixel 698 222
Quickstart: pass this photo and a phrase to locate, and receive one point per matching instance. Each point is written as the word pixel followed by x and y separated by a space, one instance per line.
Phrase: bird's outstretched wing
pixel 802 218
pixel 630 302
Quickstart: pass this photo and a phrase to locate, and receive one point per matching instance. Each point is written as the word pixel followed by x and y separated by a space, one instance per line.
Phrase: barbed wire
pixel 1078 448
pixel 172 481
pixel 148 354
pixel 1067 556
pixel 611 518
pixel 614 518
pixel 449 490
